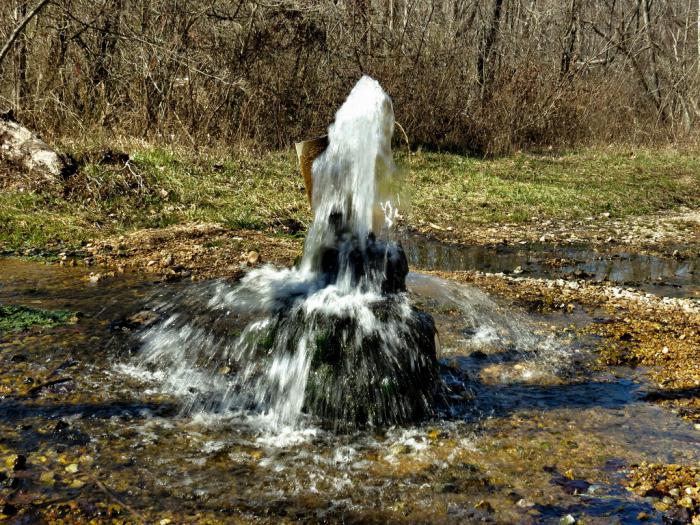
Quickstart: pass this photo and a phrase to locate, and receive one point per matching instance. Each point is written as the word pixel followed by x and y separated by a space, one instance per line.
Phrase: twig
pixel 38 388
pixel 111 495
pixel 405 136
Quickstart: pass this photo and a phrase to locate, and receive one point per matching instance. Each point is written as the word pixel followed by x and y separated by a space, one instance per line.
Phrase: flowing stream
pixel 344 389
pixel 498 450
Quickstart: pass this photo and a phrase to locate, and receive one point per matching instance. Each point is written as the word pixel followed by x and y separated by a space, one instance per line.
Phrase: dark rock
pixel 110 156
pixel 8 509
pixel 12 483
pixel 449 488
pixel 60 425
pixel 381 261
pixel 20 463
pixel 571 486
pixel 353 380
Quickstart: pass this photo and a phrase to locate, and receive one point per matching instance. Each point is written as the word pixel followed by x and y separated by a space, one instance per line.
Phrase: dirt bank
pixel 668 233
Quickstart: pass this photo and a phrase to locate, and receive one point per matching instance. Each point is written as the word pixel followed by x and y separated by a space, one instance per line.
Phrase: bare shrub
pixel 487 76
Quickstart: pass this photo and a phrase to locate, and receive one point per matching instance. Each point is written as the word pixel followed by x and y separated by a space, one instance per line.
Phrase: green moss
pixel 18 318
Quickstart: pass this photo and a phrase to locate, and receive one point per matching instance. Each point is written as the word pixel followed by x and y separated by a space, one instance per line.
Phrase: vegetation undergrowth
pixel 160 186
pixel 19 318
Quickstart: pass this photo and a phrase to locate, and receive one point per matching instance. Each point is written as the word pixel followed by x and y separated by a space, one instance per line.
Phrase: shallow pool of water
pixel 536 435
pixel 665 276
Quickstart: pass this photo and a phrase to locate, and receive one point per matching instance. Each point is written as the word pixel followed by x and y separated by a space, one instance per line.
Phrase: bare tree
pixel 476 75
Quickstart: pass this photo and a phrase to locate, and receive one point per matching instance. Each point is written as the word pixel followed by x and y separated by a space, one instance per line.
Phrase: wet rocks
pixel 355 380
pixel 139 320
pixel 676 487
pixel 379 260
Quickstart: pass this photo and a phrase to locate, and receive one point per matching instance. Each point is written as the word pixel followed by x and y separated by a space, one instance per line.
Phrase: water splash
pixel 335 337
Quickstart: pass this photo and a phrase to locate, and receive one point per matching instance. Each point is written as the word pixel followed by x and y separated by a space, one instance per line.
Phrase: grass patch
pixel 458 191
pixel 19 318
pixel 160 187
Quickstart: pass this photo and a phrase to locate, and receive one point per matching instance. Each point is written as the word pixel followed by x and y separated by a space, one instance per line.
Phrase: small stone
pixel 518 270
pixel 661 506
pixel 567 520
pixel 253 257
pixel 525 503
pixel 20 463
pixel 665 350
pixel 8 509
pixel 72 468
pixel 484 505
pixel 47 478
pixel 686 502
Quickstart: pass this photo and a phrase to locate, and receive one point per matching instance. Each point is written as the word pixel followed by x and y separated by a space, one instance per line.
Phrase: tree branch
pixel 18 30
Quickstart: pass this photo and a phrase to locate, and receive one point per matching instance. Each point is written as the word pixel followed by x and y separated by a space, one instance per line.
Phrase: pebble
pixel 485 506
pixel 567 520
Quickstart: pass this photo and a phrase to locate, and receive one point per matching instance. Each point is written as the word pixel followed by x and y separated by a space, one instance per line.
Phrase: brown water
pixel 536 437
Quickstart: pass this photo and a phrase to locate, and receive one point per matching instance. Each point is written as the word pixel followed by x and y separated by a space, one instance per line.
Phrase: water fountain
pixel 334 337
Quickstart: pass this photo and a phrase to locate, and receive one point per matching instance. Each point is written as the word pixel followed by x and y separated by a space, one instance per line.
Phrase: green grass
pixel 458 191
pixel 242 190
pixel 159 188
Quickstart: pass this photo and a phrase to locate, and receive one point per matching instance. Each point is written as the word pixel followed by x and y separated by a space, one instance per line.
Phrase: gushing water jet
pixel 335 337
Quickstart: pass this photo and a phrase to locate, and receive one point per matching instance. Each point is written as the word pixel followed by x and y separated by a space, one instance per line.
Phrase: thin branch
pixel 18 30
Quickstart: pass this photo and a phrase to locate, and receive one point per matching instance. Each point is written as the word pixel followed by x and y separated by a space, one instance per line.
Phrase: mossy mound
pixel 361 375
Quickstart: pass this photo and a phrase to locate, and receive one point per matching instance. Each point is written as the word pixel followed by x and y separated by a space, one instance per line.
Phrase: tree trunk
pixel 488 43
pixel 656 82
pixel 570 39
pixel 21 86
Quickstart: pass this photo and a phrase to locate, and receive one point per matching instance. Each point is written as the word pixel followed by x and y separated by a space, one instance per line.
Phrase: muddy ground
pixel 668 233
